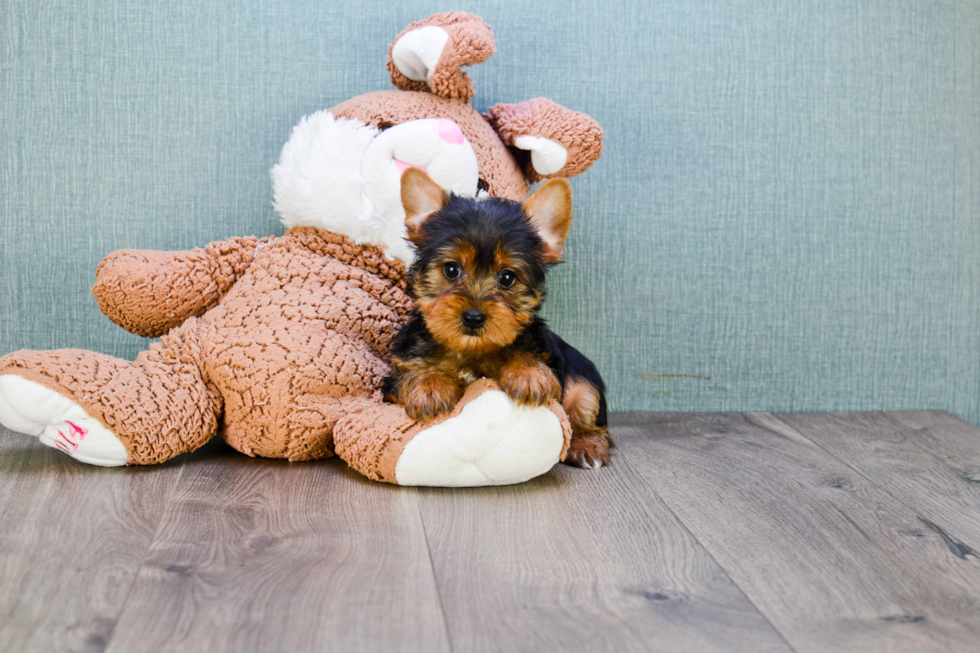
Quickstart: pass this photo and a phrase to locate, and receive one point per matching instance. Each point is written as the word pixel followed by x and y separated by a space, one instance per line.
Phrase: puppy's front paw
pixel 430 396
pixel 588 451
pixel 529 382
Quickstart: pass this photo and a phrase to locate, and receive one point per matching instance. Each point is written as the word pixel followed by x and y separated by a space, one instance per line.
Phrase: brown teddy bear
pixel 280 344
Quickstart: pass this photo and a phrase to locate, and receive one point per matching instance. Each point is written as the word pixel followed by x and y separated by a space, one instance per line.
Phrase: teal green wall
pixel 787 216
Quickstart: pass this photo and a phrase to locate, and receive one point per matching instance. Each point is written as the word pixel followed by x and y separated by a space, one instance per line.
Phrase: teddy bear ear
pixel 548 139
pixel 427 56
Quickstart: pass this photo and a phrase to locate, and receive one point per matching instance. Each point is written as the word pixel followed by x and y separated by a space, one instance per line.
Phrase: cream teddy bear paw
pixel 492 441
pixel 32 409
pixel 487 439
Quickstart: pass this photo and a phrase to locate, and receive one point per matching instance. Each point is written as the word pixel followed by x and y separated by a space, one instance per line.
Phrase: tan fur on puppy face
pixel 443 301
pixel 479 280
pixel 507 309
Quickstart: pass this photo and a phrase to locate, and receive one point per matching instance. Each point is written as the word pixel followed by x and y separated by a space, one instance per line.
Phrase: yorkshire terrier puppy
pixel 479 282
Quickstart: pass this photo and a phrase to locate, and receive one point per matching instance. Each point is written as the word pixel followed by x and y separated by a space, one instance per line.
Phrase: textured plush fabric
pixel 136 288
pixel 279 340
pixel 303 331
pixel 470 43
pixel 785 215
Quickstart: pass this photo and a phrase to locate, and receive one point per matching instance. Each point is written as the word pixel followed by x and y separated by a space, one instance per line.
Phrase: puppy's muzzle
pixel 473 319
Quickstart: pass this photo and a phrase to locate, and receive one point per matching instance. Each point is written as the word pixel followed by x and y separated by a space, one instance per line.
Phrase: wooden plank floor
pixel 710 532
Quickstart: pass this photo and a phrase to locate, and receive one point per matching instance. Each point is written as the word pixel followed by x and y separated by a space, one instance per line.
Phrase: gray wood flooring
pixel 710 532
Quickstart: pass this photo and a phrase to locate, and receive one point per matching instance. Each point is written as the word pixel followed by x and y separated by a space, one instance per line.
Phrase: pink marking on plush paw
pixel 449 131
pixel 402 166
pixel 74 438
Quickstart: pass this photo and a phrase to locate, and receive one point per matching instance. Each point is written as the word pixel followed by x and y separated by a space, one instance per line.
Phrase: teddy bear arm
pixel 428 54
pixel 149 292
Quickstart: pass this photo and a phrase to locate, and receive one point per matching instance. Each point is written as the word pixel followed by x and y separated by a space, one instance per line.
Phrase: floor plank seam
pixel 916 510
pixel 146 553
pixel 432 566
pixel 638 433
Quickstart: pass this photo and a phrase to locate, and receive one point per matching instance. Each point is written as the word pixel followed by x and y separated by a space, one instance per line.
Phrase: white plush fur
pixel 318 180
pixel 491 442
pixel 344 176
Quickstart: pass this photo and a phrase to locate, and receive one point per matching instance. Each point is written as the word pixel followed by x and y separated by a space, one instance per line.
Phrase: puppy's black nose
pixel 473 318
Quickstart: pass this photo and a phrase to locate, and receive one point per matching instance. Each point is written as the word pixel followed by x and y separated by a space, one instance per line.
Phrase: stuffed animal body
pixel 279 344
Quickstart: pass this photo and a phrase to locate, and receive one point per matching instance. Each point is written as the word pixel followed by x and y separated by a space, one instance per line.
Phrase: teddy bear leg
pixel 107 411
pixel 485 440
pixel 60 423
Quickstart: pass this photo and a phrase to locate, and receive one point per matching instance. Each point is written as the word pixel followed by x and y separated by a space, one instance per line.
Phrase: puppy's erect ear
pixel 421 197
pixel 550 210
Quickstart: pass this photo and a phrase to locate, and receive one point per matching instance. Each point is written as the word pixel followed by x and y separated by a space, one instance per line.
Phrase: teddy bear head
pixel 341 168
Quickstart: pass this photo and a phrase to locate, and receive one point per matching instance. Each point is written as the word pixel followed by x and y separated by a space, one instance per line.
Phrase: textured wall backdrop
pixel 787 215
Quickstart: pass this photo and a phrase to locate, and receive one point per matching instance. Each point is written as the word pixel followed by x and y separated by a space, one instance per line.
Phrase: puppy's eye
pixel 506 278
pixel 452 270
